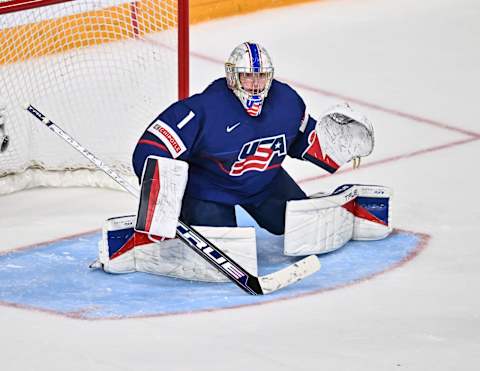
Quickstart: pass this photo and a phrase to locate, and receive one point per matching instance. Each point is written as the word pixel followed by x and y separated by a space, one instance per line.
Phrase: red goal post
pixel 103 69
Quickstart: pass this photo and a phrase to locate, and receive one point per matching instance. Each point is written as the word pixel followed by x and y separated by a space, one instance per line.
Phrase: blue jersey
pixel 233 157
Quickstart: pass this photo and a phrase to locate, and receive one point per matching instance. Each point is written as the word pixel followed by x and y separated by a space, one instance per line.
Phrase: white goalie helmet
pixel 249 73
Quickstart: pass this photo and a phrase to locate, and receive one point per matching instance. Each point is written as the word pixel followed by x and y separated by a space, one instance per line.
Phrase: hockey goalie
pixel 224 147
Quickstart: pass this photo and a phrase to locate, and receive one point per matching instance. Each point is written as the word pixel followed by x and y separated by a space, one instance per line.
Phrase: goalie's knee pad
pixel 324 223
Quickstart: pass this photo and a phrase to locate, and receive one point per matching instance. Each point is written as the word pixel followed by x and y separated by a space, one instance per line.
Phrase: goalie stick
pixel 255 285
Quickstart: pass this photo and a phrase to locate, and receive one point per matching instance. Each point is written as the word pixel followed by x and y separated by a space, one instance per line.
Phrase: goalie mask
pixel 249 73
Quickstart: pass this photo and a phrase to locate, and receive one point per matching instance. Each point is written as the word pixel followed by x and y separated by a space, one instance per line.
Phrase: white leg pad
pixel 123 250
pixel 316 226
pixel 173 258
pixel 324 223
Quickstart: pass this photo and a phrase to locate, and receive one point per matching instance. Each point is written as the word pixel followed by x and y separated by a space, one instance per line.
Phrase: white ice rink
pixel 413 67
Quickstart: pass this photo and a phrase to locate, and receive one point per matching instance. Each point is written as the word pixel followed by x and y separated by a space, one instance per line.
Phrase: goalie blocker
pixel 163 185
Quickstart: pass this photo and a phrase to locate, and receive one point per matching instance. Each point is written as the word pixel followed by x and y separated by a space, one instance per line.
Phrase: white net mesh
pixel 100 69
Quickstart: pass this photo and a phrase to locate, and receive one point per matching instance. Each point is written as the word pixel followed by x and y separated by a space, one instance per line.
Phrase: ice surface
pixel 412 67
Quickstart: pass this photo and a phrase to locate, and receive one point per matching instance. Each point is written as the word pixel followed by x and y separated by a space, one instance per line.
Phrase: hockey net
pixel 100 69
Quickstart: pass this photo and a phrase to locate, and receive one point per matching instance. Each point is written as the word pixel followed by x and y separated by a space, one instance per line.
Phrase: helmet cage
pixel 256 74
pixel 259 73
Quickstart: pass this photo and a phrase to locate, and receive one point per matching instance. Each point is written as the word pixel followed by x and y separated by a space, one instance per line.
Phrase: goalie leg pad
pixel 318 225
pixel 124 250
pixel 172 258
pixel 325 223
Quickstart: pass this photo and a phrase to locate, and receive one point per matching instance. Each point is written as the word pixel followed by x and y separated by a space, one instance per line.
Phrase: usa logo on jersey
pixel 258 154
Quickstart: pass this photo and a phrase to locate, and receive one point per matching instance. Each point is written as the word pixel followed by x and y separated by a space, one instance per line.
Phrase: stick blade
pixel 289 275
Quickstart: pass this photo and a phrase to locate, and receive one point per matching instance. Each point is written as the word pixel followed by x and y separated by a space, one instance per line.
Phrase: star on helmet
pixel 249 73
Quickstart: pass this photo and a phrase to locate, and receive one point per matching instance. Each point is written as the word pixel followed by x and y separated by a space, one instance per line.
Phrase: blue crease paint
pixel 55 277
